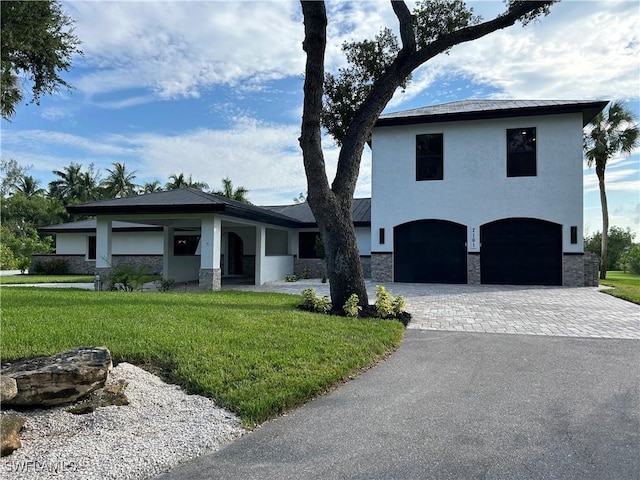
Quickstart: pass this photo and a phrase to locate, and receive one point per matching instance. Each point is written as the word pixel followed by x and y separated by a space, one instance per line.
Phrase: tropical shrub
pixel 351 307
pixel 126 279
pixel 50 266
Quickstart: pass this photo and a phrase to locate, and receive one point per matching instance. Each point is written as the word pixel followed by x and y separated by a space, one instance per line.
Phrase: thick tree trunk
pixel 605 223
pixel 332 210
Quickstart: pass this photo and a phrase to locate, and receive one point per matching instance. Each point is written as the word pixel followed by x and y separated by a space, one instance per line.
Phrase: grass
pixel 253 353
pixel 23 279
pixel 626 285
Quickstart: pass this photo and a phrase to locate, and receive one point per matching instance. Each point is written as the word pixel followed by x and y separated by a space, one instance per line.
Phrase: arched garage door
pixel 430 251
pixel 521 251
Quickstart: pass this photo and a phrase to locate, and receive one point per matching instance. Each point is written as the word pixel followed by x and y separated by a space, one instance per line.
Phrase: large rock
pixel 8 388
pixel 110 395
pixel 60 378
pixel 10 426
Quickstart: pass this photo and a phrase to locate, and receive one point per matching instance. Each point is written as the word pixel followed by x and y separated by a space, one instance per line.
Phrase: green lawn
pixel 627 285
pixel 22 279
pixel 254 353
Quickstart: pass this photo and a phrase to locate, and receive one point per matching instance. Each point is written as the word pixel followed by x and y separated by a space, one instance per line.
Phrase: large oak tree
pixel 354 99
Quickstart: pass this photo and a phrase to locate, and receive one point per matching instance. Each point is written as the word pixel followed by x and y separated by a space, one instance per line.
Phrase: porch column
pixel 261 235
pixel 103 250
pixel 167 251
pixel 210 277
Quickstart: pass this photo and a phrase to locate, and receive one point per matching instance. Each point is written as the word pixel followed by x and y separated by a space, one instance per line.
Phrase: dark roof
pixel 90 226
pixel 189 200
pixel 184 200
pixel 361 212
pixel 486 109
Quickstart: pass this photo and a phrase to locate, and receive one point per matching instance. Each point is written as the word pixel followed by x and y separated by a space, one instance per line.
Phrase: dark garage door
pixel 430 251
pixel 521 251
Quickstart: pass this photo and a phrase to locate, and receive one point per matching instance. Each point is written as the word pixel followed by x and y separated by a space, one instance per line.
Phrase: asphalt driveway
pixel 459 405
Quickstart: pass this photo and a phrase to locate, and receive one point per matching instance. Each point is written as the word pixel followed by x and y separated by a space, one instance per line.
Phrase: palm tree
pixel 606 136
pixel 239 194
pixel 68 184
pixel 176 181
pixel 74 185
pixel 180 181
pixel 29 187
pixel 119 183
pixel 151 187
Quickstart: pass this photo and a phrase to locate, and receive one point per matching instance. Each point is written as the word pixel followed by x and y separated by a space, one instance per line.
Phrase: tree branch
pixel 407 32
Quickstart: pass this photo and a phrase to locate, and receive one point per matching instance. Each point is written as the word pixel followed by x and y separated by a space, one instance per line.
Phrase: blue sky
pixel 213 89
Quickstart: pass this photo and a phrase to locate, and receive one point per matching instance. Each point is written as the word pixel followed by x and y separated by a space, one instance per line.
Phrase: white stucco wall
pixel 363 239
pixel 124 243
pixel 475 189
pixel 275 267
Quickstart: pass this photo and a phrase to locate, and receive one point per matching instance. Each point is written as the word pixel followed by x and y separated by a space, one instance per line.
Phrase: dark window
pixel 381 233
pixel 185 245
pixel 521 152
pixel 429 157
pixel 307 244
pixel 91 248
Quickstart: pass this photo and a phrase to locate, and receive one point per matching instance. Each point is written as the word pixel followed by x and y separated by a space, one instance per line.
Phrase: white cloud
pixel 176 49
pixel 264 158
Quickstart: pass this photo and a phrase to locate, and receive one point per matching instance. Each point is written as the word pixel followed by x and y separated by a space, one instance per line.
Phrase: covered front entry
pixel 430 251
pixel 521 251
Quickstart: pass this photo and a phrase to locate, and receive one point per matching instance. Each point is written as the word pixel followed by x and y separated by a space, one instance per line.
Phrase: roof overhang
pixel 589 110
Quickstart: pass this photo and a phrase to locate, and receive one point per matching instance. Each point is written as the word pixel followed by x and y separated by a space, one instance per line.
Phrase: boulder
pixel 8 388
pixel 10 426
pixel 61 378
pixel 112 394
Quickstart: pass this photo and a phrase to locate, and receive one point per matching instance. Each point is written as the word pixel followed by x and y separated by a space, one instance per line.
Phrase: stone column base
pixel 210 279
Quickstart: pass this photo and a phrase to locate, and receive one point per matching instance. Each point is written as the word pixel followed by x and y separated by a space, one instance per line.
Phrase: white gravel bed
pixel 161 428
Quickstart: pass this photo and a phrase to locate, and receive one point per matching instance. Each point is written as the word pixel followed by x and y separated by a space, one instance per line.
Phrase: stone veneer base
pixel 210 279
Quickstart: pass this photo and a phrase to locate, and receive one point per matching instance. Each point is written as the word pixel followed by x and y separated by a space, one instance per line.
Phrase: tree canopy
pixel 37 44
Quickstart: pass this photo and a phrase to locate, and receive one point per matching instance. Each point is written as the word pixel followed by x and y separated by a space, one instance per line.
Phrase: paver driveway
pixel 554 311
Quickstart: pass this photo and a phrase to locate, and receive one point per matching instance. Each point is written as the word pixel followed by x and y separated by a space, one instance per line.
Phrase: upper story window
pixel 521 152
pixel 429 157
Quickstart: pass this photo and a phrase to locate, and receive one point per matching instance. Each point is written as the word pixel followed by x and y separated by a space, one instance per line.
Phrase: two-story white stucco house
pixel 483 191
pixel 479 191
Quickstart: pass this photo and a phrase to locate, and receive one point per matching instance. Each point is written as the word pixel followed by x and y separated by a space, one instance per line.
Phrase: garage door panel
pixel 430 251
pixel 521 251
